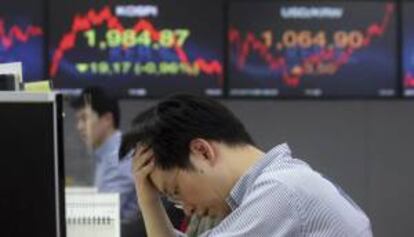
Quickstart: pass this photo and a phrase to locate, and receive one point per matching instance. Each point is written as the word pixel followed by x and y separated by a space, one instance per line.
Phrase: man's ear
pixel 109 119
pixel 203 150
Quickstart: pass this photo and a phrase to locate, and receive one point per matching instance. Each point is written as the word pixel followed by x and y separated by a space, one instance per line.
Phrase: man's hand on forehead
pixel 142 157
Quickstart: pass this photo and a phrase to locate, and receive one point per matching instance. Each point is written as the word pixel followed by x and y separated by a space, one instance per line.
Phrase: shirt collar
pixel 109 145
pixel 276 154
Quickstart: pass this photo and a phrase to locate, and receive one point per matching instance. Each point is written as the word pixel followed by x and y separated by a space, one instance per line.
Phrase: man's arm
pixel 156 220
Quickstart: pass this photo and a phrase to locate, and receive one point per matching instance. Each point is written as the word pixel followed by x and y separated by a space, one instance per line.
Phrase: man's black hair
pixel 169 127
pixel 100 102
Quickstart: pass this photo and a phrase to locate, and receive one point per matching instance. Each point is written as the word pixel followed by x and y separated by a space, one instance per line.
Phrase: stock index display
pixel 408 48
pixel 140 48
pixel 312 48
pixel 22 36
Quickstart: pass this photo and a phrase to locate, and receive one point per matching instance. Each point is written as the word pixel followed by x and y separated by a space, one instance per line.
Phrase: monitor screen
pixel 312 48
pixel 22 35
pixel 408 48
pixel 31 177
pixel 140 48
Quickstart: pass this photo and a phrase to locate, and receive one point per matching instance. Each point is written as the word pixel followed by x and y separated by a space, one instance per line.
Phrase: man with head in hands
pixel 197 153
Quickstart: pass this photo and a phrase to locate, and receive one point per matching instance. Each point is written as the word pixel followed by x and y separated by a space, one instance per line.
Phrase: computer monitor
pixel 32 172
pixel 407 48
pixel 297 48
pixel 23 36
pixel 137 48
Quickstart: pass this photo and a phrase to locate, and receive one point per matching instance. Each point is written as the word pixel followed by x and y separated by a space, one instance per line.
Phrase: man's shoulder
pixel 295 180
pixel 288 172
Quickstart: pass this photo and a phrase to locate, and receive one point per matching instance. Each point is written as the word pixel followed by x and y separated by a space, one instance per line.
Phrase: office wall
pixel 365 146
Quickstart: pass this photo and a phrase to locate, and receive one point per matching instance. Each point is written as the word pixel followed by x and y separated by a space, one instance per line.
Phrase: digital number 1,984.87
pixel 130 38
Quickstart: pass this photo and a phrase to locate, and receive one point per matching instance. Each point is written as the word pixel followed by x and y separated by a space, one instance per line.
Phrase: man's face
pixel 198 192
pixel 90 127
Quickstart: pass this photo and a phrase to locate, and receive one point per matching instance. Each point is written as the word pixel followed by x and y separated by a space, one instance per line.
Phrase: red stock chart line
pixel 15 34
pixel 292 77
pixel 409 80
pixel 105 17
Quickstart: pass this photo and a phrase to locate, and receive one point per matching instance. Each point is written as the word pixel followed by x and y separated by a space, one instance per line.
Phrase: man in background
pixel 98 119
pixel 98 122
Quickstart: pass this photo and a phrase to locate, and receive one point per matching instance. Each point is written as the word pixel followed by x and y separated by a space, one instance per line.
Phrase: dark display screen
pixel 29 199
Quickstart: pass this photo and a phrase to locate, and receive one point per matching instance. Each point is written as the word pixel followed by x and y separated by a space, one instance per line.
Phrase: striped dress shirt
pixel 283 196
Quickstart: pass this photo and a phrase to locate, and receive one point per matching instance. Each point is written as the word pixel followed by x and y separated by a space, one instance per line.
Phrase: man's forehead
pixel 87 110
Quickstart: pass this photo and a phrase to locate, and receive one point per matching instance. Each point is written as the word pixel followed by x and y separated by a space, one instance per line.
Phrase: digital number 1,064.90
pixel 306 39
